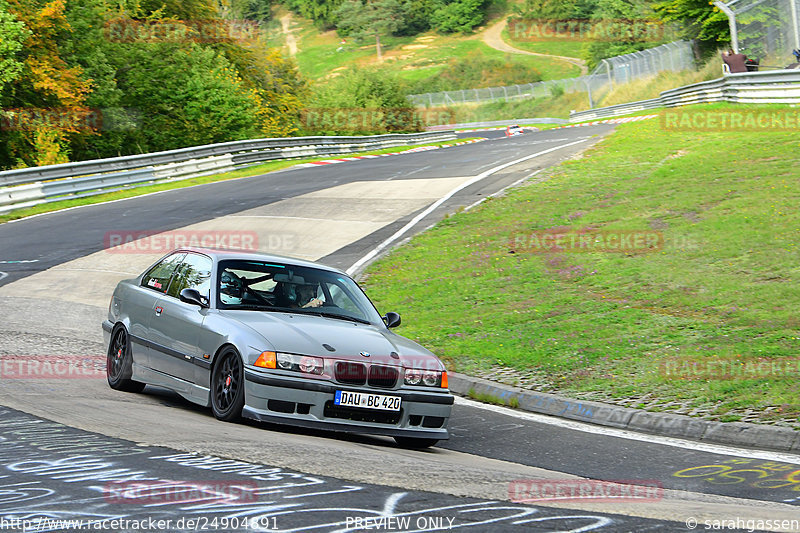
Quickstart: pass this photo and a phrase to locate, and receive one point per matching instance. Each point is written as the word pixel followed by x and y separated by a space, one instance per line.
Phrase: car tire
pixel 227 386
pixel 414 443
pixel 119 362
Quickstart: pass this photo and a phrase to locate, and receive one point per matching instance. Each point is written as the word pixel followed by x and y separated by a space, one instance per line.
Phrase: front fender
pixel 219 331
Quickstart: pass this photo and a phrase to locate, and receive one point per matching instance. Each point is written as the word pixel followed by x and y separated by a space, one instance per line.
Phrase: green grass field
pixel 603 325
pixel 417 57
pixel 567 48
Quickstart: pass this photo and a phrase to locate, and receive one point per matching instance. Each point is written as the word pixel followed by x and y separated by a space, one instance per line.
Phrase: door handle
pixel 159 310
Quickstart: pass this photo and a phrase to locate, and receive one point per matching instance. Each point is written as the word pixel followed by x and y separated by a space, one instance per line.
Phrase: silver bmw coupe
pixel 274 339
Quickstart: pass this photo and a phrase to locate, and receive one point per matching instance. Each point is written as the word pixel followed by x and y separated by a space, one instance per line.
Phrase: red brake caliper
pixel 227 382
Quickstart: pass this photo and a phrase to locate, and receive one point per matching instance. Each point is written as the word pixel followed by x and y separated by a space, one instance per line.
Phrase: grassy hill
pixel 321 54
pixel 721 287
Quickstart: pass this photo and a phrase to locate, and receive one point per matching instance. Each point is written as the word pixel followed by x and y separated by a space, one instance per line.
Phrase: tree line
pixel 95 78
pixel 84 79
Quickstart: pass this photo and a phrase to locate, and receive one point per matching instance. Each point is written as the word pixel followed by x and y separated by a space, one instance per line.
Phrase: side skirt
pixel 192 392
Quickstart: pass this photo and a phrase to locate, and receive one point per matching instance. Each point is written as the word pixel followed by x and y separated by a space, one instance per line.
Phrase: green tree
pixel 322 12
pixel 555 9
pixel 185 96
pixel 145 91
pixel 360 101
pixel 475 71
pixel 416 17
pixel 699 20
pixel 370 18
pixel 13 34
pixel 458 15
pixel 622 28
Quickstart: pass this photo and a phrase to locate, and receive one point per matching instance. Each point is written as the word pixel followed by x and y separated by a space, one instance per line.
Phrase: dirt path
pixel 492 37
pixel 291 42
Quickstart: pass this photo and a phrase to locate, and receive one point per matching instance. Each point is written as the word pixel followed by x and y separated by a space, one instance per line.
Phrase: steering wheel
pixel 246 288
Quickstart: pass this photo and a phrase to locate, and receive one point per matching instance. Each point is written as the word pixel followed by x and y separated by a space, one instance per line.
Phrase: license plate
pixel 366 400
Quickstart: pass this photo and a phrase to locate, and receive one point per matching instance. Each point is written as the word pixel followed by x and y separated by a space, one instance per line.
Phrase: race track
pixel 64 440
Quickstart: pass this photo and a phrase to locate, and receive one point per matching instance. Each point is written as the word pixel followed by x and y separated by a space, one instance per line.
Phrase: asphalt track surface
pixel 303 480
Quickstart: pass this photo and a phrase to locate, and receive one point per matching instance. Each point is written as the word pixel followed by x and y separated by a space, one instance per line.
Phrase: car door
pixel 175 327
pixel 140 304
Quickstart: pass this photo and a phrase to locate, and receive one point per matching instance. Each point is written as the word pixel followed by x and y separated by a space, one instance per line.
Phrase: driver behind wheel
pixel 307 296
pixel 231 288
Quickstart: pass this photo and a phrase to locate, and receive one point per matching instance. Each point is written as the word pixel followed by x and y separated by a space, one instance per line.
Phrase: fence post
pixel 608 70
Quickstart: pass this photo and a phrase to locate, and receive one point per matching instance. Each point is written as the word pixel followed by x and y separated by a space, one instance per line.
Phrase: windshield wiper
pixel 340 317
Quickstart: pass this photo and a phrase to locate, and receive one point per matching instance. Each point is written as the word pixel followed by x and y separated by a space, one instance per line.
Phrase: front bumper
pixel 309 403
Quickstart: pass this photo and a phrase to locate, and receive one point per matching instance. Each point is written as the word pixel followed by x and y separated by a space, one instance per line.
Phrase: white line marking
pixel 20 261
pixel 347 488
pixel 632 435
pixel 3 275
pixel 399 233
pixel 391 503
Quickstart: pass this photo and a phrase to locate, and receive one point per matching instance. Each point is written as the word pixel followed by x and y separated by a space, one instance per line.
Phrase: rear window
pixel 158 277
pixel 194 273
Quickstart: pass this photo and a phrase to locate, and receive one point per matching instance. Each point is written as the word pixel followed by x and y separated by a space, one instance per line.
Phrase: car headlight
pixel 413 377
pixel 431 379
pixel 427 378
pixel 306 364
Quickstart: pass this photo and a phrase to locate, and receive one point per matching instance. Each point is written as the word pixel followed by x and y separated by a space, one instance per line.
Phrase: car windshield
pixel 267 286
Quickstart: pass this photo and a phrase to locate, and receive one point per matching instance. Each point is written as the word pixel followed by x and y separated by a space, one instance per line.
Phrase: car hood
pixel 307 334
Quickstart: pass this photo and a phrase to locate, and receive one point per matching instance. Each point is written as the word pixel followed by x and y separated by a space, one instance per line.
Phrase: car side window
pixel 158 277
pixel 194 273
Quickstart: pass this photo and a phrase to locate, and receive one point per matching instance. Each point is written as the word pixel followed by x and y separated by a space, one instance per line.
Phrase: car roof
pixel 220 254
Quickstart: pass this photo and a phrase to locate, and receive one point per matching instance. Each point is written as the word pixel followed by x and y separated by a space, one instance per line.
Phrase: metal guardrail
pixel 771 87
pixel 31 186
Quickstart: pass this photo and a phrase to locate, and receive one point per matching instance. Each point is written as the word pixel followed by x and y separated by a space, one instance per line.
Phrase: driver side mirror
pixel 392 320
pixel 192 296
